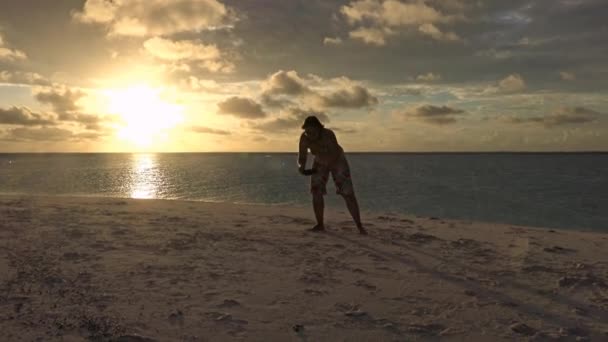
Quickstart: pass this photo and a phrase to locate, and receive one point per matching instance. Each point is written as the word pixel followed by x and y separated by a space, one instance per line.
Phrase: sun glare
pixel 146 116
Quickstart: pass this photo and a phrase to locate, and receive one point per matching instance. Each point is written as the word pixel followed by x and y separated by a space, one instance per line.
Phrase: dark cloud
pixel 38 134
pixel 207 130
pixel 434 114
pixel 355 97
pixel 23 116
pixel 62 101
pixel 293 120
pixel 241 107
pixel 562 117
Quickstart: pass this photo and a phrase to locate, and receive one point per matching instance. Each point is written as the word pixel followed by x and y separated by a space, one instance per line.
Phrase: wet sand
pixel 74 269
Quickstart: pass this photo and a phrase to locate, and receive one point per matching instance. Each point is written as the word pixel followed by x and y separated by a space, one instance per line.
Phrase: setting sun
pixel 146 116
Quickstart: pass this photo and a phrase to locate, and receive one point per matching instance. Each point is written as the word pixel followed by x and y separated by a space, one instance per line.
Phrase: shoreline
pixel 307 207
pixel 74 268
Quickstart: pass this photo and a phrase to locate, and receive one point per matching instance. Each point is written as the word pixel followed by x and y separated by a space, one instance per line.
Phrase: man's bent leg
pixel 353 208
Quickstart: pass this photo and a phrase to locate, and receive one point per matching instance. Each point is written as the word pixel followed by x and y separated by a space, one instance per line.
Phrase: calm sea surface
pixel 551 190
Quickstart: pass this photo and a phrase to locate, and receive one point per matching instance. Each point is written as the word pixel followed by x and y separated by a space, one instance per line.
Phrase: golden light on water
pixel 146 178
pixel 146 117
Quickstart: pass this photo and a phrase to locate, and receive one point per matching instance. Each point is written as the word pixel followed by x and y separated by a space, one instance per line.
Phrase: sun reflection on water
pixel 145 176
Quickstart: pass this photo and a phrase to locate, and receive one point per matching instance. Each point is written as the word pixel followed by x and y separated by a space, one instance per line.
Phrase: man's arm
pixel 302 154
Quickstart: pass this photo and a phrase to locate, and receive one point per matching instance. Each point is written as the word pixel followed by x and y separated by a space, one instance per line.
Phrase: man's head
pixel 312 127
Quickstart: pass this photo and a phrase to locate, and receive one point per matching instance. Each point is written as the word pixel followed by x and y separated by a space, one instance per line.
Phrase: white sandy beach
pixel 74 269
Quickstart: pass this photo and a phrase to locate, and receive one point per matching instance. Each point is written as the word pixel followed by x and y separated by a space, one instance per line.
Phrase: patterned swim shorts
pixel 340 172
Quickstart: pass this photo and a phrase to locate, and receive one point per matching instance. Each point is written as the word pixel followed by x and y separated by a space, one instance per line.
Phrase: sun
pixel 146 118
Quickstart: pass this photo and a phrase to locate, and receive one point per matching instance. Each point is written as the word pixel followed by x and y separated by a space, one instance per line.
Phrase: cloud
pixel 9 54
pixel 391 12
pixel 561 117
pixel 353 97
pixel 332 41
pixel 241 107
pixel 275 102
pixel 207 56
pixel 336 92
pixel 146 18
pixel 430 77
pixel 499 54
pixel 293 119
pixel 21 77
pixel 437 115
pixel 23 116
pixel 64 104
pixel 567 76
pixel 511 84
pixel 435 33
pixel 372 36
pixel 285 83
pixel 207 130
pixel 382 18
pixel 62 100
pixel 344 130
pixel 47 134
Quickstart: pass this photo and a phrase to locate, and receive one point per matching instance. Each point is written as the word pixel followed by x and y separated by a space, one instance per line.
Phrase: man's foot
pixel 362 231
pixel 317 228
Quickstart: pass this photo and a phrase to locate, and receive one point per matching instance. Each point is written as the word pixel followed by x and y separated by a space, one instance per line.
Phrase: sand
pixel 74 269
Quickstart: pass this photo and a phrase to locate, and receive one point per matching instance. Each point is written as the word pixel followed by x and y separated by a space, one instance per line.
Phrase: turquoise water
pixel 551 190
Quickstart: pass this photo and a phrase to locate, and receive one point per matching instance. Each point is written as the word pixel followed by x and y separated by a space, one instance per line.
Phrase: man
pixel 329 158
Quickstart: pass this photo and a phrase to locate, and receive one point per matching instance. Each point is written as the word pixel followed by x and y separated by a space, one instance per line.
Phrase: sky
pixel 241 75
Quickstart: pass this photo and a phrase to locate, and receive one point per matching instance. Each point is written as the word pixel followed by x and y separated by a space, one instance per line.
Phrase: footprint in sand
pixel 365 284
pixel 559 250
pixel 421 238
pixel 229 303
pixel 313 292
pixel 236 326
pixel 176 318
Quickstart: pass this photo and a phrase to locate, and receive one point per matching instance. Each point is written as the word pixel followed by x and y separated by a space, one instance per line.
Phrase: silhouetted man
pixel 329 158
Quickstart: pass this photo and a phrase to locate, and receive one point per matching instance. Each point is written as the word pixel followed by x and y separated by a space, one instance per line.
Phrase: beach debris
pixel 586 280
pixel 523 329
pixel 580 311
pixel 573 331
pixel 365 284
pixel 224 317
pixel 355 313
pixel 466 243
pixel 176 317
pixel 351 309
pixel 421 238
pixel 470 293
pixel 425 329
pixel 229 303
pixel 297 328
pixel 134 338
pixel 558 250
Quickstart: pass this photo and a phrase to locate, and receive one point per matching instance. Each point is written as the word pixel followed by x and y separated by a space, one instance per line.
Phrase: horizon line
pixel 352 152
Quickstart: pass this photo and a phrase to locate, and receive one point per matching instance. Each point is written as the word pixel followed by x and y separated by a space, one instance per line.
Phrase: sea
pixel 554 190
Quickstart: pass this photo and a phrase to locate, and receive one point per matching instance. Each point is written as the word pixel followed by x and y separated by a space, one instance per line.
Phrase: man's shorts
pixel 340 172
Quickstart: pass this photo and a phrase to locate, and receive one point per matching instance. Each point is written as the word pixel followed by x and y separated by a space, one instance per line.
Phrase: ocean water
pixel 567 191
